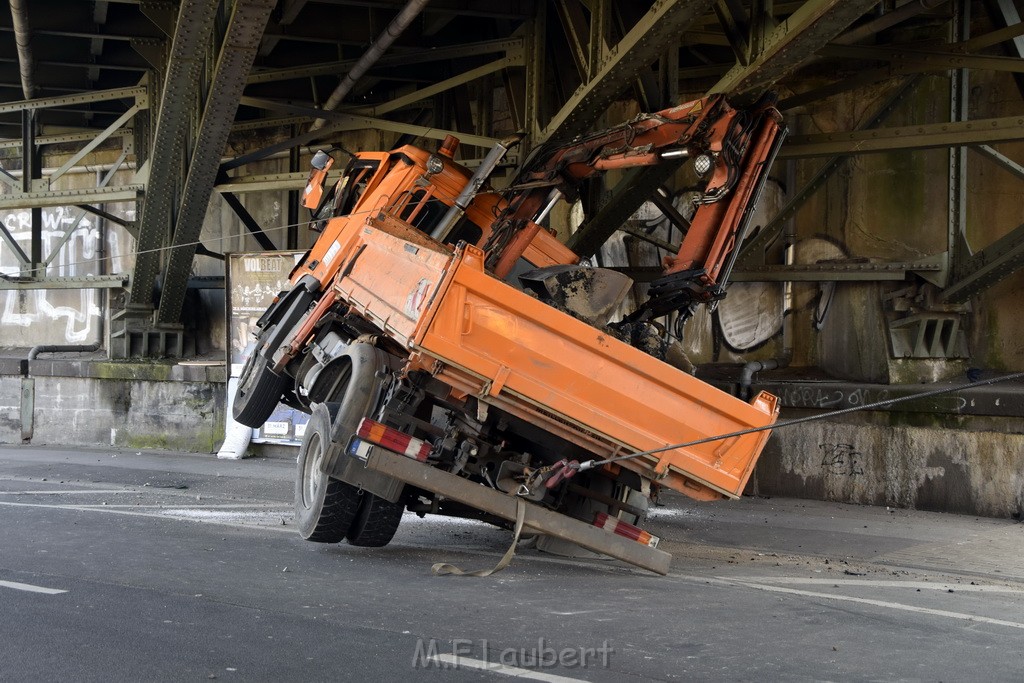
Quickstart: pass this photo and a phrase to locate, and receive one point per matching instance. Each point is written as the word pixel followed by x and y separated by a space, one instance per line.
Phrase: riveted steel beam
pixel 1010 16
pixel 574 25
pixel 855 271
pixel 633 190
pixel 1003 399
pixel 600 24
pixel 125 36
pixel 193 32
pixel 266 182
pixel 65 138
pixel 507 46
pixel 94 143
pixel 923 136
pixel 135 92
pixel 906 63
pixel 248 221
pixel 154 52
pixel 1013 33
pixel 994 263
pixel 926 60
pixel 1004 13
pixel 735 24
pixel 12 244
pixel 341 122
pixel 28 200
pixel 641 46
pixel 1001 159
pixel 837 272
pixel 82 282
pixel 241 42
pixel 959 91
pixel 106 215
pixel 441 86
pixel 795 39
pixel 289 12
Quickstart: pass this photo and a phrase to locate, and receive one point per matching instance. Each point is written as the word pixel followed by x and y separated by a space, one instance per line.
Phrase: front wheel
pixel 259 391
pixel 325 508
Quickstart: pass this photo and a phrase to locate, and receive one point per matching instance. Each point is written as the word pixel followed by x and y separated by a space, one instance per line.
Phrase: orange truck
pixel 457 359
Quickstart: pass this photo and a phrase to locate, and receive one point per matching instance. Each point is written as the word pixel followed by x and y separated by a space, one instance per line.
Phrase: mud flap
pixel 283 315
pixel 353 402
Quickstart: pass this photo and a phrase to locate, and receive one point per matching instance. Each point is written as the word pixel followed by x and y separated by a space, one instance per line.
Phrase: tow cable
pixel 591 464
pixel 566 469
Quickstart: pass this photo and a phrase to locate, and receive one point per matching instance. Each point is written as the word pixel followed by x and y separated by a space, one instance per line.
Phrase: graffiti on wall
pixel 841 458
pixel 73 313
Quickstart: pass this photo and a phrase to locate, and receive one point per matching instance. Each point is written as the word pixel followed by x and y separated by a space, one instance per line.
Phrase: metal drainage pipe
pixel 370 57
pixel 23 38
pixel 34 352
pixel 28 384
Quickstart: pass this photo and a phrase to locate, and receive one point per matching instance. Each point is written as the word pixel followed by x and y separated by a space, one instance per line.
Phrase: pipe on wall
pixel 22 36
pixel 28 383
pixel 370 57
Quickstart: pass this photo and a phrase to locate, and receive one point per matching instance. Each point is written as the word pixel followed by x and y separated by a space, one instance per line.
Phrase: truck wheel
pixel 376 523
pixel 324 507
pixel 259 391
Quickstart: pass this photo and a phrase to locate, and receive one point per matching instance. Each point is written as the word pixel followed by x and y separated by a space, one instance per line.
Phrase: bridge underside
pixel 166 106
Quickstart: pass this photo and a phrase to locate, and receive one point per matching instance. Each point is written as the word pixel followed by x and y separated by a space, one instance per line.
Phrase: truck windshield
pixel 352 185
pixel 423 212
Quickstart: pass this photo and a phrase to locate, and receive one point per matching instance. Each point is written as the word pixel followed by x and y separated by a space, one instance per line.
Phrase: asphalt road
pixel 117 566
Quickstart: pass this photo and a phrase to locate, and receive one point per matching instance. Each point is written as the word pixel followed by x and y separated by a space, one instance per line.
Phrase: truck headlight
pixel 703 163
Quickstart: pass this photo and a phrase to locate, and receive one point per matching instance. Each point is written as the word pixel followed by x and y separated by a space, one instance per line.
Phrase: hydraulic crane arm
pixel 732 148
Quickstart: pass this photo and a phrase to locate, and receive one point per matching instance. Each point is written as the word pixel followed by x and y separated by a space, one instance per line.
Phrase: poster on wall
pixel 253 280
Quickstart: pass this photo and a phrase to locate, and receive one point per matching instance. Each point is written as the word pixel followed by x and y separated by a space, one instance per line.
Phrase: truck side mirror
pixel 319 166
pixel 321 161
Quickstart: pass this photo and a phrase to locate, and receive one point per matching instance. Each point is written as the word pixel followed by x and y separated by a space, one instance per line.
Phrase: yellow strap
pixel 442 568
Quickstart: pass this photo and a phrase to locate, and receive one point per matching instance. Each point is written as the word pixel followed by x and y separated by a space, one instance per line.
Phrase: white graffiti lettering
pixel 78 254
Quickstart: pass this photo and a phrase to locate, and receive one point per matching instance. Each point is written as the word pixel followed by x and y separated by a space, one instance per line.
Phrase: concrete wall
pixel 965 465
pixel 128 405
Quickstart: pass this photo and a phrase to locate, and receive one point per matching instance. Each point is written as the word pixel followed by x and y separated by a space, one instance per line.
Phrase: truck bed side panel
pixel 521 347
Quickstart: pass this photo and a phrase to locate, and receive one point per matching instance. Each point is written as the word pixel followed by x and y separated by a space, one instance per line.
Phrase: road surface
pixel 124 566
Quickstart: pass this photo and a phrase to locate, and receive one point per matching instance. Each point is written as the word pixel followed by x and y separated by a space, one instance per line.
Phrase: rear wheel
pixel 376 523
pixel 325 508
pixel 259 391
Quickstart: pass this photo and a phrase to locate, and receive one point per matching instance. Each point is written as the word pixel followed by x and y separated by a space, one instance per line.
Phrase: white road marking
pixel 118 510
pixel 30 588
pixel 63 492
pixel 841 583
pixel 868 601
pixel 459 662
pixel 166 507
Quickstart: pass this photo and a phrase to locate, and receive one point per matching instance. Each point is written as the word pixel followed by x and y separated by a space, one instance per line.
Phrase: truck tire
pixel 325 508
pixel 259 391
pixel 376 523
